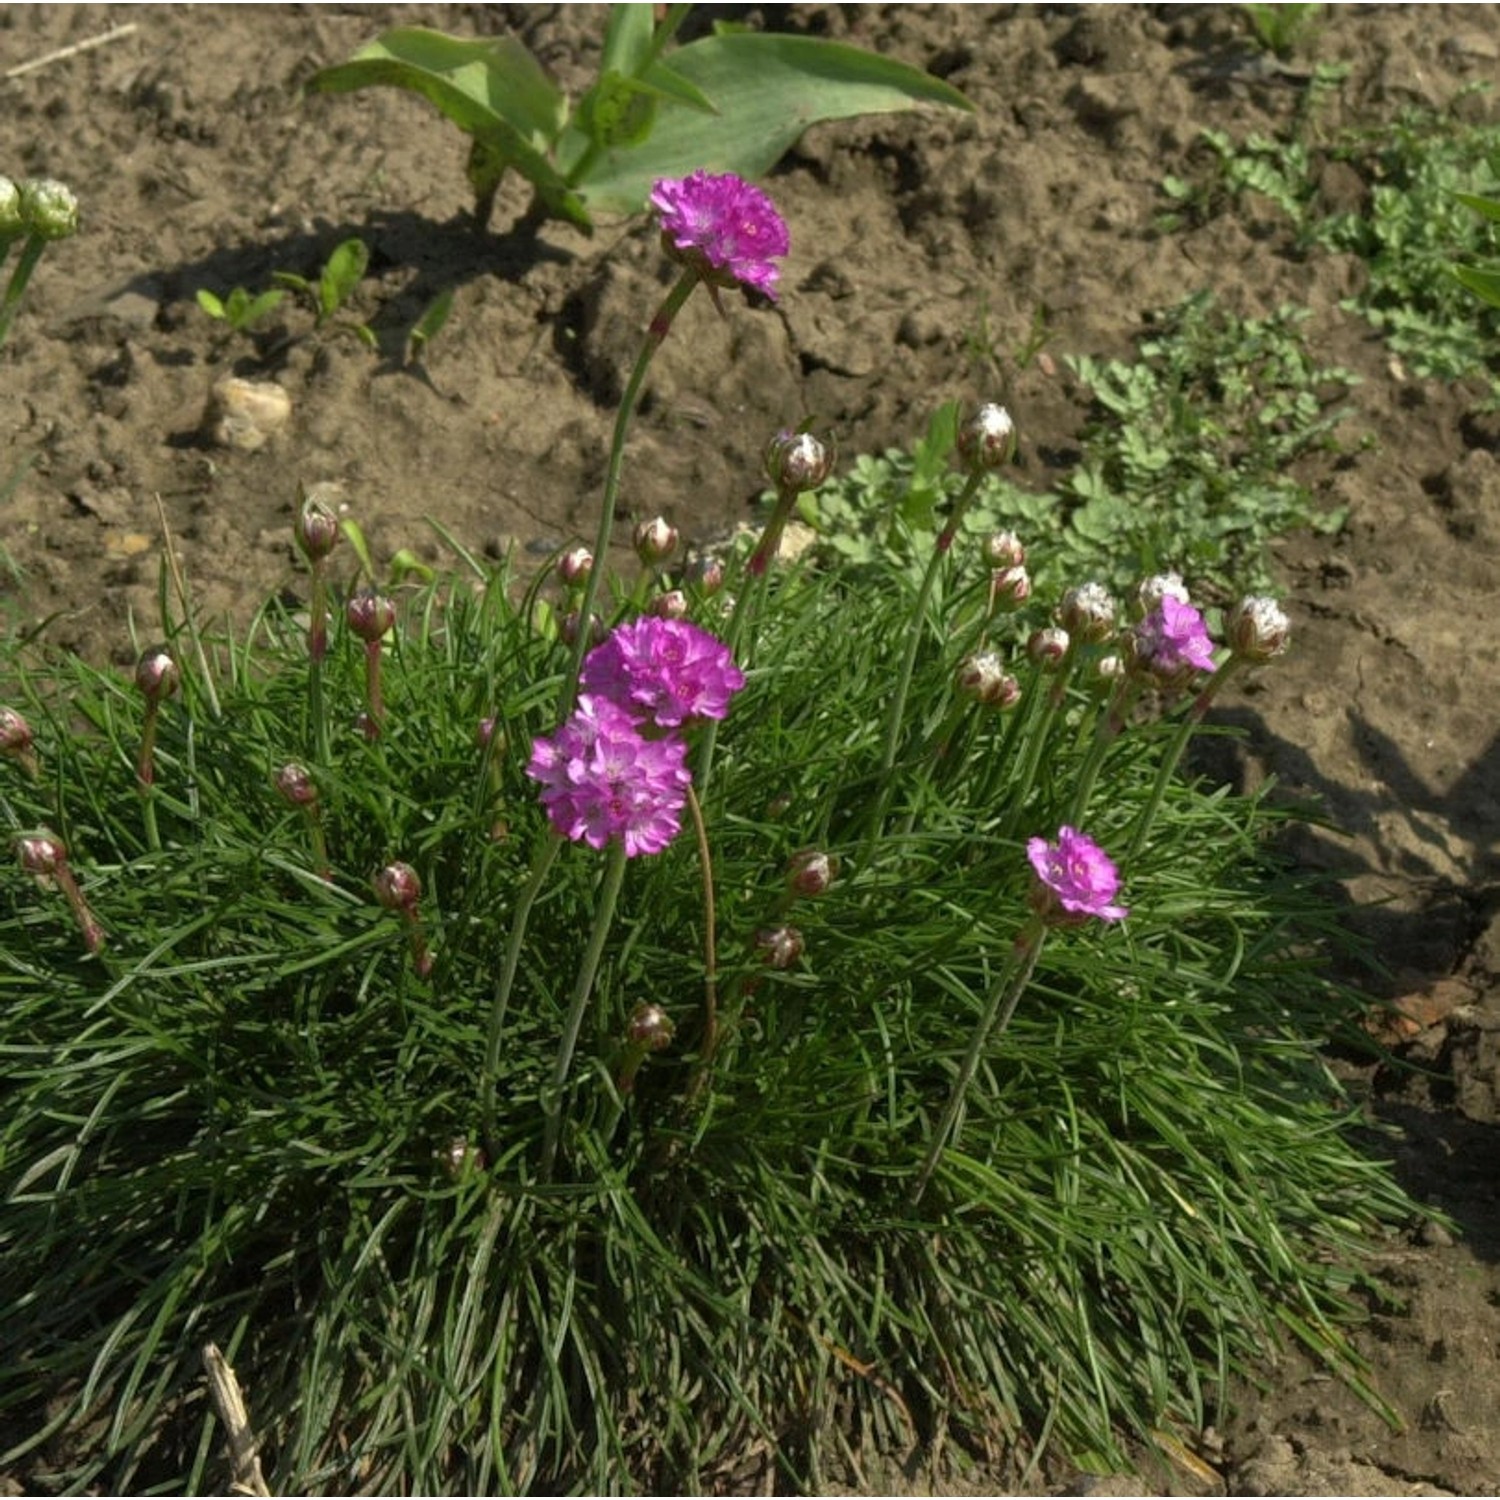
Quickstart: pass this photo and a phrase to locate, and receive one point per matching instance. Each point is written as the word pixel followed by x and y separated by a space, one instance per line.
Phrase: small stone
pixel 245 414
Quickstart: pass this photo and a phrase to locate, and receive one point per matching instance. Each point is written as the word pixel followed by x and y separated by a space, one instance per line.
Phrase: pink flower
pixel 1076 878
pixel 603 779
pixel 1172 640
pixel 665 671
pixel 723 227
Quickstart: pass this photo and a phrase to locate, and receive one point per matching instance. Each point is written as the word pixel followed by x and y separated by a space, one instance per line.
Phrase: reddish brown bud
pixel 779 947
pixel 812 871
pixel 398 888
pixel 157 675
pixel 987 439
pixel 370 615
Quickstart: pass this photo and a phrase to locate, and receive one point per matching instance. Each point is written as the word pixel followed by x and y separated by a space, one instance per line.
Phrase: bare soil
pixel 198 164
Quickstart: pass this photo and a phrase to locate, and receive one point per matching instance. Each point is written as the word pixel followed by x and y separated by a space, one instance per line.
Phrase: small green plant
pixel 1190 456
pixel 33 214
pixel 240 311
pixel 1282 29
pixel 336 282
pixel 734 102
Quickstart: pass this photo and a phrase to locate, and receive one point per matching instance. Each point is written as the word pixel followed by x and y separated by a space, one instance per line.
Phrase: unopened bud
pixel 797 462
pixel 672 605
pixel 983 677
pixel 316 527
pixel 575 565
pixel 569 626
pixel 1003 549
pixel 1010 586
pixel 15 734
pixel 48 208
pixel 398 888
pixel 987 439
pixel 779 947
pixel 1087 612
pixel 486 733
pixel 811 872
pixel 157 675
pixel 650 1027
pixel 370 615
pixel 655 540
pixel 12 223
pixel 1257 628
pixel 1151 591
pixel 1048 646
pixel 461 1157
pixel 706 575
pixel 1109 669
pixel 296 785
pixel 41 854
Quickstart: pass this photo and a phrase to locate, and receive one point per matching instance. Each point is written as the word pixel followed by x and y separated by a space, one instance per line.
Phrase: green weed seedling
pixel 336 282
pixel 737 99
pixel 241 310
pixel 1282 30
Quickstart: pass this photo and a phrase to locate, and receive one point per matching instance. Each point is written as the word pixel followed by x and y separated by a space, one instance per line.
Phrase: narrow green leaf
pixel 209 303
pixel 341 275
pixel 430 324
pixel 627 40
pixel 1489 207
pixel 768 90
pixel 1483 281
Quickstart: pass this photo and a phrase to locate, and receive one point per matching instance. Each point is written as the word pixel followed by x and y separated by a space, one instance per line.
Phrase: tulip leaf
pixel 767 89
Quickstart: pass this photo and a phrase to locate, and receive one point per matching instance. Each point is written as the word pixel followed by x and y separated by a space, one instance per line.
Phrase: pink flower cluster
pixel 617 768
pixel 723 227
pixel 1076 879
pixel 1172 641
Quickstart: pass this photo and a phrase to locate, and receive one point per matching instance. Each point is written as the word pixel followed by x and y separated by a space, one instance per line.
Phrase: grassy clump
pixel 253 1120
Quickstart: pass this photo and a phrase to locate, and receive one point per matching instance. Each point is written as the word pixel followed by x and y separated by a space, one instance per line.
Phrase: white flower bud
pixel 1087 612
pixel 1003 549
pixel 1151 591
pixel 987 439
pixel 49 209
pixel 1257 628
pixel 655 540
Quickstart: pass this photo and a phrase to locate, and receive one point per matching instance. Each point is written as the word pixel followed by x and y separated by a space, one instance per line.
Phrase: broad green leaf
pixel 210 303
pixel 263 306
pixel 493 89
pixel 767 89
pixel 341 275
pixel 1483 281
pixel 668 84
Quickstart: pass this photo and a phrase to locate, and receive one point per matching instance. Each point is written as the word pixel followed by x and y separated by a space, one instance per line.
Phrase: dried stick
pixel 87 45
pixel 229 1402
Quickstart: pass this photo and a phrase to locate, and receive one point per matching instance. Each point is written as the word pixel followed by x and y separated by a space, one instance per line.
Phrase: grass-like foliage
pixel 322 1043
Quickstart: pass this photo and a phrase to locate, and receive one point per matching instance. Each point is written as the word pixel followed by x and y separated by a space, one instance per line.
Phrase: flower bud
pixel 296 785
pixel 672 605
pixel 370 615
pixel 1151 591
pixel 575 565
pixel 1088 613
pixel 568 628
pixel 49 209
pixel 12 224
pixel 15 734
pixel 986 439
pixel 316 527
pixel 398 888
pixel 486 732
pixel 157 675
pixel 41 854
pixel 1003 549
pixel 1048 646
pixel 1257 628
pixel 983 677
pixel 650 1027
pixel 706 575
pixel 779 947
pixel 811 872
pixel 655 540
pixel 1108 670
pixel 797 462
pixel 461 1157
pixel 1010 586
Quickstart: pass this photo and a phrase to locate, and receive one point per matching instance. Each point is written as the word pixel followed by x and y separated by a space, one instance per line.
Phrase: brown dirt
pixel 198 166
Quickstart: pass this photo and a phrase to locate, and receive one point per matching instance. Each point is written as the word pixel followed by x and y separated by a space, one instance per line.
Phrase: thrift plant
pixel 572 1037
pixel 33 214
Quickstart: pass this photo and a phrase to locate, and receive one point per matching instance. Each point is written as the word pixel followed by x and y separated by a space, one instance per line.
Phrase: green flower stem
pixel 999 1006
pixel 317 650
pixel 710 929
pixel 374 698
pixel 1190 721
pixel 583 987
pixel 18 279
pixel 656 333
pixel 541 865
pixel 732 639
pixel 145 776
pixel 1036 743
pixel 897 713
pixel 1106 731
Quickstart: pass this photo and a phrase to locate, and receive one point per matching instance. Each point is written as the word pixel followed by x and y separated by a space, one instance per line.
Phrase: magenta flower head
pixel 667 672
pixel 1172 642
pixel 602 779
pixel 1076 879
pixel 723 228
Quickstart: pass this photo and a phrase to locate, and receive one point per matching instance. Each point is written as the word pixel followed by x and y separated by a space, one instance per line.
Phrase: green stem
pixel 583 987
pixel 656 333
pixel 317 650
pixel 999 1007
pixel 1190 721
pixel 710 929
pixel 897 713
pixel 1106 731
pixel 35 245
pixel 732 637
pixel 541 864
pixel 1041 732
